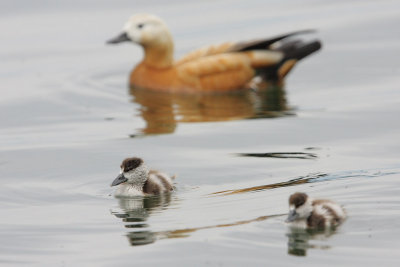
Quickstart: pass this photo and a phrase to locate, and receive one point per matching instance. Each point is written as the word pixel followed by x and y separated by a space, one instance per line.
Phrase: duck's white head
pixel 300 207
pixel 144 29
pixel 133 171
pixel 153 35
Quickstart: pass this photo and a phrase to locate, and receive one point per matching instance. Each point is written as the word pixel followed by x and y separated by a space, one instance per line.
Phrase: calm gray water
pixel 67 119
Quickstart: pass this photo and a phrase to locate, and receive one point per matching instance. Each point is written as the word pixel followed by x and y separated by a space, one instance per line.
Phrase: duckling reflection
pixel 299 239
pixel 135 211
pixel 163 111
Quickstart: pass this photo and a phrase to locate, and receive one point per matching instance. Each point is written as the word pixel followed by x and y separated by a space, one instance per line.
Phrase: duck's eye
pixel 141 25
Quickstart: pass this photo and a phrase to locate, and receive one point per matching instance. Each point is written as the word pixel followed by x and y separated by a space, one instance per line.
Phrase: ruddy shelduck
pixel 305 212
pixel 136 179
pixel 218 68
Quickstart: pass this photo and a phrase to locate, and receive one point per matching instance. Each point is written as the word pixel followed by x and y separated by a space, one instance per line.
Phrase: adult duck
pixel 218 68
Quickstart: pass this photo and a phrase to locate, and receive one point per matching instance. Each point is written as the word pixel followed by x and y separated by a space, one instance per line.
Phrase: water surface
pixel 68 119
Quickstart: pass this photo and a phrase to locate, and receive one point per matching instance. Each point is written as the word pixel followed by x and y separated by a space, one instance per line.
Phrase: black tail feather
pixel 301 50
pixel 294 49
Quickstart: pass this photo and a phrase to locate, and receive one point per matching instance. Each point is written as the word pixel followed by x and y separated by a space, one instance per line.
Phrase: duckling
pixel 135 179
pixel 305 212
pixel 218 68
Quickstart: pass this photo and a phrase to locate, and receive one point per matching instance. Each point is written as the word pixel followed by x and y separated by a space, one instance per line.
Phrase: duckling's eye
pixel 141 25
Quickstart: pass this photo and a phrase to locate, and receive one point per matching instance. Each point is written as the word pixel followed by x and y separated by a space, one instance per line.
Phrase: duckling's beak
pixel 123 37
pixel 292 216
pixel 119 180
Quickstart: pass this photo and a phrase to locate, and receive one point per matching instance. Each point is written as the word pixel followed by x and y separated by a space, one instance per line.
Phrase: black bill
pixel 123 37
pixel 119 180
pixel 292 216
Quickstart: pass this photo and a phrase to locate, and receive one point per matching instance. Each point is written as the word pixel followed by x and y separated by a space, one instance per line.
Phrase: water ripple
pixel 311 178
pixel 280 155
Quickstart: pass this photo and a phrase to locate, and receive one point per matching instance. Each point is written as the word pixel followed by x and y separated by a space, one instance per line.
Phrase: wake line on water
pixel 312 178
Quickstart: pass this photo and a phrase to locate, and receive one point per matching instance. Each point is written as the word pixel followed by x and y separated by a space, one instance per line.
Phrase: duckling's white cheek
pixel 303 211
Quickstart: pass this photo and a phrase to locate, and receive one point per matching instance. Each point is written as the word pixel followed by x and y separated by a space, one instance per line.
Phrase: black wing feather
pixel 264 44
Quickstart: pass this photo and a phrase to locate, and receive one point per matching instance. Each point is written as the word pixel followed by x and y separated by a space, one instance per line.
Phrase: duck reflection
pixel 162 112
pixel 134 212
pixel 299 240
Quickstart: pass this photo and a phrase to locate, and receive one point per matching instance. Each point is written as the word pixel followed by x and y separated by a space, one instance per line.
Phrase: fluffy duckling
pixel 305 212
pixel 218 68
pixel 136 179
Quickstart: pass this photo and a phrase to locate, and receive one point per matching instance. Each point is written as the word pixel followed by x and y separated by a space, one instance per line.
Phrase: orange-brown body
pixel 225 72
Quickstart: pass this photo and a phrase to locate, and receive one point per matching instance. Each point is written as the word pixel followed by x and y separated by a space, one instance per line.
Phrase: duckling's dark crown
pixel 131 163
pixel 298 199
